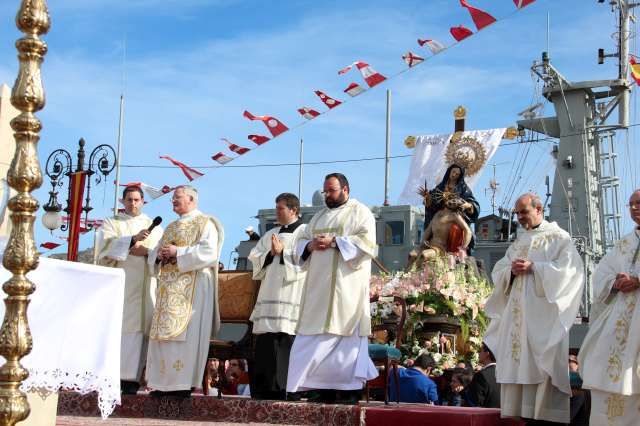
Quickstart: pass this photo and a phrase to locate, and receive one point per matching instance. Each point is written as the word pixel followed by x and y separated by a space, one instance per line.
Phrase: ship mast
pixel 584 199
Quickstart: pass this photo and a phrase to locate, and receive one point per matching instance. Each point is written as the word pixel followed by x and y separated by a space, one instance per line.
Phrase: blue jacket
pixel 414 386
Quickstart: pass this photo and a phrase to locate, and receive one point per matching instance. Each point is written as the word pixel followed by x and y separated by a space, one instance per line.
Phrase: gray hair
pixel 189 190
pixel 535 200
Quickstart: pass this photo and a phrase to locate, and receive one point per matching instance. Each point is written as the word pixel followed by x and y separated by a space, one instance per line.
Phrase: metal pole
pixel 623 50
pixel 120 126
pixel 387 151
pixel 300 171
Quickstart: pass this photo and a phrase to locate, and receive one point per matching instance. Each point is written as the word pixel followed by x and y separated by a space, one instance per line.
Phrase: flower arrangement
pixel 450 288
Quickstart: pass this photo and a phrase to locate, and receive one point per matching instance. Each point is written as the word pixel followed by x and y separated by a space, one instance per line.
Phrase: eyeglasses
pixel 634 205
pixel 329 191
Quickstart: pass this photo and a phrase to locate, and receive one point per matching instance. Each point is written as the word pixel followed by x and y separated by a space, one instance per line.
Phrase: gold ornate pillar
pixel 24 176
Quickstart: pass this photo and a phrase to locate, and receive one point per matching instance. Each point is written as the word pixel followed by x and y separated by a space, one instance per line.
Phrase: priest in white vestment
pixel 538 287
pixel 124 241
pixel 610 354
pixel 275 316
pixel 186 313
pixel 331 348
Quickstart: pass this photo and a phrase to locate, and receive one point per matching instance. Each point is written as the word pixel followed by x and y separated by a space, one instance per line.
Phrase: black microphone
pixel 157 221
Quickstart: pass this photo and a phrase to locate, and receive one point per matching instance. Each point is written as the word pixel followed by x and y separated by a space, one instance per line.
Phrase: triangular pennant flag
pixel 308 113
pixel 327 100
pixel 221 158
pixel 354 89
pixel 635 70
pixel 49 245
pixel 236 148
pixel 460 32
pixel 275 126
pixel 522 3
pixel 258 139
pixel 149 190
pixel 480 17
pixel 189 172
pixel 434 45
pixel 412 59
pixel 371 76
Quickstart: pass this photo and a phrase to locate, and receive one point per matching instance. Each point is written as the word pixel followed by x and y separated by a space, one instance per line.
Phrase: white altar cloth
pixel 75 317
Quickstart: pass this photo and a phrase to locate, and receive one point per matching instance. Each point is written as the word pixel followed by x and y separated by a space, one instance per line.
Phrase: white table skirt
pixel 75 316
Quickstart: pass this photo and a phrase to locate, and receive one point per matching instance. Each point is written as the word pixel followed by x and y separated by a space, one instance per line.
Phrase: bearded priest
pixel 186 312
pixel 330 351
pixel 124 241
pixel 538 287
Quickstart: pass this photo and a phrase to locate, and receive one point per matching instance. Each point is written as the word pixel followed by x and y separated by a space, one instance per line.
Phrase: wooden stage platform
pixel 75 409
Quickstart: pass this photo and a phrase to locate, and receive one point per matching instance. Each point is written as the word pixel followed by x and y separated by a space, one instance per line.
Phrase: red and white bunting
pixel 49 245
pixel 412 59
pixel 189 172
pixel 149 190
pixel 221 158
pixel 354 89
pixel 308 113
pixel 460 32
pixel 275 126
pixel 327 100
pixel 480 17
pixel 434 45
pixel 240 150
pixel 522 3
pixel 258 139
pixel 371 76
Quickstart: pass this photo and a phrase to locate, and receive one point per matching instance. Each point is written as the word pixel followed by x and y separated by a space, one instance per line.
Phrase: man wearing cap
pixel 253 235
pixel 123 241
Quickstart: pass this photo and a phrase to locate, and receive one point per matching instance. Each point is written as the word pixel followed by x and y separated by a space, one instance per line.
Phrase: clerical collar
pixel 537 226
pixel 192 213
pixel 285 229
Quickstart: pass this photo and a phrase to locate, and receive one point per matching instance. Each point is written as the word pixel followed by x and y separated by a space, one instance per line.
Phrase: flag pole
pixel 120 130
pixel 387 151
pixel 300 171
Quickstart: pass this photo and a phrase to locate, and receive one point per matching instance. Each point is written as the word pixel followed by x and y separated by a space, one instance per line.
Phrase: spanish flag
pixel 635 70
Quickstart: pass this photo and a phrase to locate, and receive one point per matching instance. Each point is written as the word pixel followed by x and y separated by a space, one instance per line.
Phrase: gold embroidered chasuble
pixel 610 353
pixel 531 315
pixel 336 292
pixel 186 315
pixel 174 295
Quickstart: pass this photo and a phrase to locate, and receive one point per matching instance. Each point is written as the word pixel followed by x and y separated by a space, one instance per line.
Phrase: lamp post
pixel 102 161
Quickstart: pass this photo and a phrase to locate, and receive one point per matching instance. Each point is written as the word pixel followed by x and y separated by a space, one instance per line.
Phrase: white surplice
pixel 610 354
pixel 278 305
pixel 530 320
pixel 178 362
pixel 113 241
pixel 330 350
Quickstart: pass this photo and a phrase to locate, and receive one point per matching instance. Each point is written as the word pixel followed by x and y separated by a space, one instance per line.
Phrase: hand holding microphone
pixel 142 235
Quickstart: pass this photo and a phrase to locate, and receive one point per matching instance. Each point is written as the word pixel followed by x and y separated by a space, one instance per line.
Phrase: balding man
pixel 609 362
pixel 186 263
pixel 536 298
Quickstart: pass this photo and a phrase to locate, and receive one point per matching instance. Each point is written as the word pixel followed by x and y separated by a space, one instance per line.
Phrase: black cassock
pixel 271 357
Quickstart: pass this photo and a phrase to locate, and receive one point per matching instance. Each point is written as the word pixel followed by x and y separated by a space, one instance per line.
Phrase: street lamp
pixel 102 161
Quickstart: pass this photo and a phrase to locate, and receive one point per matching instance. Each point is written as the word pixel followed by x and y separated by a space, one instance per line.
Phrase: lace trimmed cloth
pixel 75 316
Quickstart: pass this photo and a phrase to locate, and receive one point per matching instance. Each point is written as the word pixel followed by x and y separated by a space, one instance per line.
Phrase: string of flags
pixel 481 19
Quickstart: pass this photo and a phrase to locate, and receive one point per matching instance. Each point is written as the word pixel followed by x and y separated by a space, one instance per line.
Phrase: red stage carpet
pixel 200 408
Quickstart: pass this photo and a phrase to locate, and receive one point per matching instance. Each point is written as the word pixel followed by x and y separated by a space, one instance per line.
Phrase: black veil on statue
pixel 462 190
